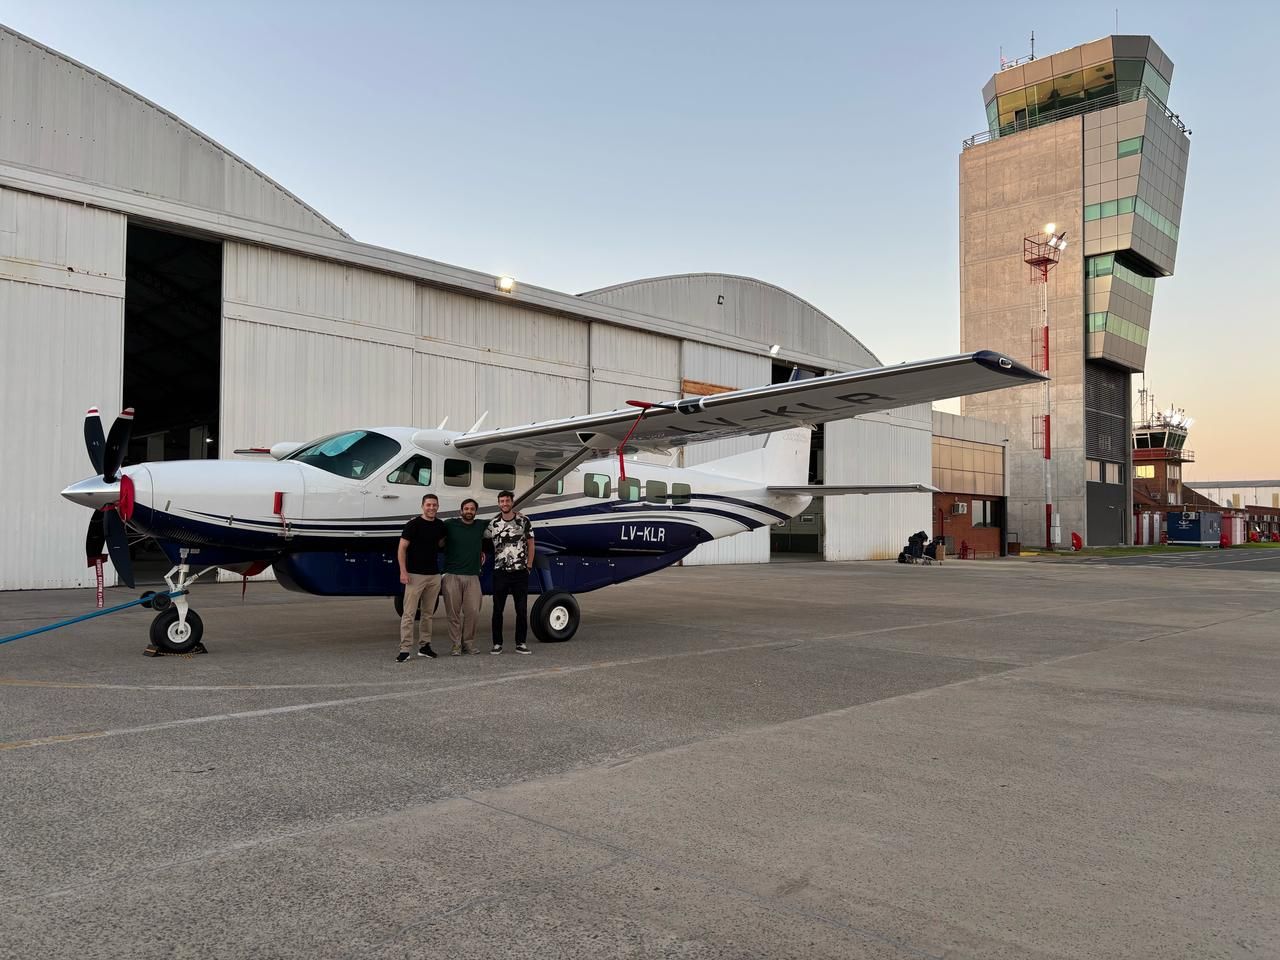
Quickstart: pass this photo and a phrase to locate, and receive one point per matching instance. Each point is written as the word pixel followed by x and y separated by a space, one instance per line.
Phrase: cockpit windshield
pixel 353 455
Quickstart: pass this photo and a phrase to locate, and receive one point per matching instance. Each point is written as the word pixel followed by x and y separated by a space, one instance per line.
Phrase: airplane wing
pixel 841 489
pixel 781 406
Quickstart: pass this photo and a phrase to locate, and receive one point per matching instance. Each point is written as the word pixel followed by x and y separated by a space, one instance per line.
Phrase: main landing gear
pixel 176 627
pixel 555 616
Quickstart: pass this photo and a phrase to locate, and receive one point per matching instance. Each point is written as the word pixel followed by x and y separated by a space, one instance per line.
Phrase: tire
pixel 398 600
pixel 555 616
pixel 167 635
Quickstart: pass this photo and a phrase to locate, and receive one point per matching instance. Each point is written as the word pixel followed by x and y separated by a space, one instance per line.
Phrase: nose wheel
pixel 170 634
pixel 176 627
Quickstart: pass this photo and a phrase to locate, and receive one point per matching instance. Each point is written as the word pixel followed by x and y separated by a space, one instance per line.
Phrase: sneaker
pixel 426 651
pixel 469 650
pixel 497 648
pixel 455 652
pixel 402 658
pixel 521 648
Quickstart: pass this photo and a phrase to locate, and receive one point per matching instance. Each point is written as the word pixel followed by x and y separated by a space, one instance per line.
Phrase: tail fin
pixel 784 459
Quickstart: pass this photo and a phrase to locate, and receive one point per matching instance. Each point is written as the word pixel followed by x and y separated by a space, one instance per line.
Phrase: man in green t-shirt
pixel 463 558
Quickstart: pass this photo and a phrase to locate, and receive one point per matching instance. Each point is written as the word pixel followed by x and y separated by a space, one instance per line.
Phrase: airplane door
pixel 396 494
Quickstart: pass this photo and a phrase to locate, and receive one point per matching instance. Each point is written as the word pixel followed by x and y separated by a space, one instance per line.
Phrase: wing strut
pixel 645 406
pixel 583 453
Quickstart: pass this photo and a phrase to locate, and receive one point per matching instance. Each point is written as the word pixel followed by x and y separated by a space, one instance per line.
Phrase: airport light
pixel 506 284
pixel 1040 252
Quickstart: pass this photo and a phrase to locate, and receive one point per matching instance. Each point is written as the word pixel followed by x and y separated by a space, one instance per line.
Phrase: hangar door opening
pixel 172 344
pixel 801 537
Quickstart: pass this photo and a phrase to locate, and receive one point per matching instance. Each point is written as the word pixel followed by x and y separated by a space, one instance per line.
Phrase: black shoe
pixel 497 648
pixel 521 648
pixel 426 651
pixel 402 657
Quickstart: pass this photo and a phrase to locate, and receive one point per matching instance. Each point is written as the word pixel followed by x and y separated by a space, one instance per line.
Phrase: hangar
pixel 143 264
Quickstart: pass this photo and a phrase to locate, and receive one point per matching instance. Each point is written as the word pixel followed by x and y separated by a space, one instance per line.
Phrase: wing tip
pixel 1007 365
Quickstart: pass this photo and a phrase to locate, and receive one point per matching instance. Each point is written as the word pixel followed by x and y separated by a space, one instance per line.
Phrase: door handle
pixel 390 496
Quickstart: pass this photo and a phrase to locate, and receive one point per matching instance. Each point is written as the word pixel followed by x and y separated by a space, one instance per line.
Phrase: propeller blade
pixel 118 546
pixel 117 445
pixel 93 438
pixel 96 538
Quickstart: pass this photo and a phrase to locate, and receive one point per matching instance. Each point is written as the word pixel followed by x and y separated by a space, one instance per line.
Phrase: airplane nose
pixel 94 493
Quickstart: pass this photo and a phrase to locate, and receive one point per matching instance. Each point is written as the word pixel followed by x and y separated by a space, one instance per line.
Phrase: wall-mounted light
pixel 506 284
pixel 773 351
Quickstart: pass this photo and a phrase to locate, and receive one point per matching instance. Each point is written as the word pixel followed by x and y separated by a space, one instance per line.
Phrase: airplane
pixel 326 515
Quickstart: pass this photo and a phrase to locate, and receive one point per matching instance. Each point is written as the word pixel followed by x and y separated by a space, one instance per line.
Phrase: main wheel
pixel 398 600
pixel 169 635
pixel 555 616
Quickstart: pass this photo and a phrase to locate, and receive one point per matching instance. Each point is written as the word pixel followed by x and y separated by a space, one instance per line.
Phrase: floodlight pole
pixel 1040 252
pixel 1051 533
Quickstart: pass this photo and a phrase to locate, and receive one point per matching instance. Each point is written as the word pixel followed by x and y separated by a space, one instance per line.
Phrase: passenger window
pixel 499 476
pixel 629 489
pixel 546 472
pixel 457 473
pixel 680 493
pixel 656 490
pixel 596 485
pixel 415 471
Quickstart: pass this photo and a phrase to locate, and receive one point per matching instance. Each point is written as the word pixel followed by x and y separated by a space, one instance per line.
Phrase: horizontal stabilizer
pixel 841 489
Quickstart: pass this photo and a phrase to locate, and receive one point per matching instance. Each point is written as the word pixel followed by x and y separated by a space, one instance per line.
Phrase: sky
pixel 813 145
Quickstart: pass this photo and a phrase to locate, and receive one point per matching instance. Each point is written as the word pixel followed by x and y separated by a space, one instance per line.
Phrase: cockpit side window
pixel 415 471
pixel 354 455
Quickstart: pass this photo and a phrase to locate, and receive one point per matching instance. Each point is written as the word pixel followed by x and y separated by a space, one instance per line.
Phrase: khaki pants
pixel 424 589
pixel 462 600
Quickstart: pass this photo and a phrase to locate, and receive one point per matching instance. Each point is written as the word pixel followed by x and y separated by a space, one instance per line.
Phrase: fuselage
pixel 328 516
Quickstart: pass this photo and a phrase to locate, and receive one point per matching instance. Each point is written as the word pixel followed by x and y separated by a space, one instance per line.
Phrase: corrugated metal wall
pixel 477 355
pixel 310 347
pixel 727 368
pixel 884 448
pixel 60 116
pixel 62 313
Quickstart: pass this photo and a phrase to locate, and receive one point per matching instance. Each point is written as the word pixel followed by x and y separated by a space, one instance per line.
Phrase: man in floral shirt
pixel 510 537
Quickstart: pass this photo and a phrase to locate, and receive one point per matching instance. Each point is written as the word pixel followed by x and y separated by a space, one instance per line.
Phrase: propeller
pixel 93 438
pixel 107 526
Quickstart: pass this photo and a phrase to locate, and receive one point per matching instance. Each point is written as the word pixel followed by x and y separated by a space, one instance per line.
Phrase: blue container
pixel 1201 529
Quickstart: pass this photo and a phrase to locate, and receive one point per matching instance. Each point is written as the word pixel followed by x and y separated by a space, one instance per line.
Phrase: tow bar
pixel 158 601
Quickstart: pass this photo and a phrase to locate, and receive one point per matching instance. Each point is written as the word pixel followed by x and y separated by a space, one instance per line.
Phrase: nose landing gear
pixel 176 628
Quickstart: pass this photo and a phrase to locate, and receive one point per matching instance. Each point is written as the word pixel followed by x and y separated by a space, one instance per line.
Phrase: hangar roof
pixel 92 128
pixel 67 131
pixel 744 307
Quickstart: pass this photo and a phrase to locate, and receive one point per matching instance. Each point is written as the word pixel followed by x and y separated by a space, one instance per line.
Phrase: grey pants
pixel 462 600
pixel 423 588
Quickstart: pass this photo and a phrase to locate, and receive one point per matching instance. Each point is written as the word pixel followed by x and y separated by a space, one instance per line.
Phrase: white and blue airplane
pixel 326 515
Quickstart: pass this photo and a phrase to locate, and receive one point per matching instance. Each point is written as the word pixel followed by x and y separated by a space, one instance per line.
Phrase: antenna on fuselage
pixel 476 426
pixel 442 423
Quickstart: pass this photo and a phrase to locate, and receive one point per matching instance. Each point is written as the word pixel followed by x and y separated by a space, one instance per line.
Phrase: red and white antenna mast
pixel 1040 252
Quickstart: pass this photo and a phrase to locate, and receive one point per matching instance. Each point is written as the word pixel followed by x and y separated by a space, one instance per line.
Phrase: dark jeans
pixel 515 585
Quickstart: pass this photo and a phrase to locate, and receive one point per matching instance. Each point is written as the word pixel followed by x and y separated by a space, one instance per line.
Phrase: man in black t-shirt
pixel 417 554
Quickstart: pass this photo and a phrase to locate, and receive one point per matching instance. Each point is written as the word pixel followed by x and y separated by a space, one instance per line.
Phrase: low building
pixel 970 471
